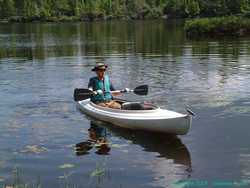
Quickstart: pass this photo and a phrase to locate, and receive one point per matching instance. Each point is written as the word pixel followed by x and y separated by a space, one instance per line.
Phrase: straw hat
pixel 99 66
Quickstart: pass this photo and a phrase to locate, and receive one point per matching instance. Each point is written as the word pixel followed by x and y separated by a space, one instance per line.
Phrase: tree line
pixel 130 9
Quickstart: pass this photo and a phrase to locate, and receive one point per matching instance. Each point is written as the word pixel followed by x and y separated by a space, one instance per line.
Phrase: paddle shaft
pixel 82 94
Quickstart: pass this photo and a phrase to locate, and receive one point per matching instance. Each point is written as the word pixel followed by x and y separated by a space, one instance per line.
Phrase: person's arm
pixel 92 87
pixel 91 84
pixel 113 91
pixel 112 88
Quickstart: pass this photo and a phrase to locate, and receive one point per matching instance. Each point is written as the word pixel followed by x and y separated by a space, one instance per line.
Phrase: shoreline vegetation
pixel 230 26
pixel 206 18
pixel 91 10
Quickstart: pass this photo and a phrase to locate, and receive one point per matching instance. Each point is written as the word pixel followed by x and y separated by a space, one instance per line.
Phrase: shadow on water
pixel 168 146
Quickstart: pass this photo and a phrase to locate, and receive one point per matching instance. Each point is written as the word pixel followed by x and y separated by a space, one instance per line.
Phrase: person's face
pixel 100 73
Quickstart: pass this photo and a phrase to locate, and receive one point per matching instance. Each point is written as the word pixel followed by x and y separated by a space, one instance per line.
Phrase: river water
pixel 41 64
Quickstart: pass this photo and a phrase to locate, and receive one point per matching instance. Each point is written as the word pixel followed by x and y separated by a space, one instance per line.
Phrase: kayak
pixel 139 116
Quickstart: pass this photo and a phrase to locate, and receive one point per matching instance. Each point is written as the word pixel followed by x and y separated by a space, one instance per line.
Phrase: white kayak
pixel 139 116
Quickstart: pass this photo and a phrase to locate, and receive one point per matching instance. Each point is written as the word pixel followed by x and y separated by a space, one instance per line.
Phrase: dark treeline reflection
pixel 39 41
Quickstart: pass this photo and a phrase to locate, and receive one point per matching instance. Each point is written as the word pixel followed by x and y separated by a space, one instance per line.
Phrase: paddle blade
pixel 141 90
pixel 82 94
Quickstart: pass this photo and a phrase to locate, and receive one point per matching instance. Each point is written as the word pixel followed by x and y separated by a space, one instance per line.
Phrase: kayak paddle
pixel 141 90
pixel 82 94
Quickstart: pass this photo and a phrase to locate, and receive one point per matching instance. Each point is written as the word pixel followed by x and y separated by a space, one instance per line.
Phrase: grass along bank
pixel 235 26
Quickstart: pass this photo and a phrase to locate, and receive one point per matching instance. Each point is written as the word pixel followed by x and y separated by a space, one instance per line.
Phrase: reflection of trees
pixel 228 49
pixel 161 38
pixel 227 52
pixel 98 38
pixel 38 41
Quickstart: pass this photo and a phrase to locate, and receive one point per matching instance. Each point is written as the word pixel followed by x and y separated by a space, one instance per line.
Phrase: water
pixel 41 64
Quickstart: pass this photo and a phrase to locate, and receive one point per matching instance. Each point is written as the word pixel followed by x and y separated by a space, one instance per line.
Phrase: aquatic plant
pixel 19 183
pixel 99 171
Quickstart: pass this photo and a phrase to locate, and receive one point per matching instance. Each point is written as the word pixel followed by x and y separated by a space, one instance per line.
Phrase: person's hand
pixel 126 90
pixel 98 92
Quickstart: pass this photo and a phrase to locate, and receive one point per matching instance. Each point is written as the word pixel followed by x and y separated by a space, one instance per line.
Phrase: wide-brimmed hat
pixel 99 66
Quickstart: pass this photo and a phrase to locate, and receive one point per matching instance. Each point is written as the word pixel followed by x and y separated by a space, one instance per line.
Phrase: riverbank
pixel 19 19
pixel 235 26
pixel 86 18
pixel 91 10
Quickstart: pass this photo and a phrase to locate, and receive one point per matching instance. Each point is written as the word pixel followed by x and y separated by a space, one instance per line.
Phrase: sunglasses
pixel 101 70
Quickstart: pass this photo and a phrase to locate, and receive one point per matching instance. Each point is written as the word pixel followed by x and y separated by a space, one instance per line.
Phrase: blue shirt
pixel 105 85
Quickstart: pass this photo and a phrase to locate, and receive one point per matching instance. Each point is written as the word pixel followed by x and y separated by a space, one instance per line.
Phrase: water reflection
pixel 168 146
pixel 97 139
pixel 173 160
pixel 142 38
pixel 39 60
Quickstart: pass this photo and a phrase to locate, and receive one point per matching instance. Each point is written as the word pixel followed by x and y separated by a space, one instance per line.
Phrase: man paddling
pixel 102 87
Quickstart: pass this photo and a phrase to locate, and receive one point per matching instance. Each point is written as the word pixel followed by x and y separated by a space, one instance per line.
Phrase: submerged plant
pixel 99 171
pixel 19 183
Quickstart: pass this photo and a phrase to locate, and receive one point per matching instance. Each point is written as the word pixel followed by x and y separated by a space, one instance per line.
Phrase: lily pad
pixel 64 166
pixel 34 149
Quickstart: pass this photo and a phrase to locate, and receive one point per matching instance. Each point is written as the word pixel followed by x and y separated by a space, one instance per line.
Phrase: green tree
pixel 7 8
pixel 30 9
pixel 175 8
pixel 61 8
pixel 46 9
pixel 234 6
pixel 192 8
pixel 213 7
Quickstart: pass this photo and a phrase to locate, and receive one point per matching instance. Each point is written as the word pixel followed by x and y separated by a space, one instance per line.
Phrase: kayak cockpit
pixel 128 106
pixel 137 106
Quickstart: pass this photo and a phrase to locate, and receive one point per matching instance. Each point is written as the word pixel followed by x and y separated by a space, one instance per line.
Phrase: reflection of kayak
pixel 139 116
pixel 168 146
pixel 172 161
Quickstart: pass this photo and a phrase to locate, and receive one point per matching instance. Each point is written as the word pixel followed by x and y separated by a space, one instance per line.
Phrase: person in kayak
pixel 102 87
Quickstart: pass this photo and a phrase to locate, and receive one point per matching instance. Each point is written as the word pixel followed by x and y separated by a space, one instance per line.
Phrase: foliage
pixel 101 9
pixel 218 26
pixel 182 8
pixel 7 8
